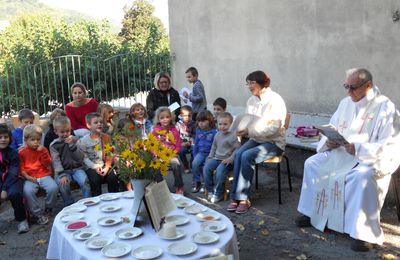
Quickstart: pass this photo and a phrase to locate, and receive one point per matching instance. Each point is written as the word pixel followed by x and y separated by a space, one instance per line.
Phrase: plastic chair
pixel 277 160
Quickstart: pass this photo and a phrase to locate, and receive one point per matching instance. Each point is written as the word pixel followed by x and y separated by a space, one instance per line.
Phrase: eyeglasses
pixel 356 86
pixel 248 83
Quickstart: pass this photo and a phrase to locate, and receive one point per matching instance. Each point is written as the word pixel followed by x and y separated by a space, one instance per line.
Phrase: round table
pixel 63 245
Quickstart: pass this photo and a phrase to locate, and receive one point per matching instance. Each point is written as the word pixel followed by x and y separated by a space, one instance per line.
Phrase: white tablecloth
pixel 62 245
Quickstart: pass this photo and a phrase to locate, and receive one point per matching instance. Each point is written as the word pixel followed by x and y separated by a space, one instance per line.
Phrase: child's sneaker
pixel 202 189
pixel 179 191
pixel 196 187
pixel 42 220
pixel 23 227
pixel 187 171
pixel 215 198
pixel 209 196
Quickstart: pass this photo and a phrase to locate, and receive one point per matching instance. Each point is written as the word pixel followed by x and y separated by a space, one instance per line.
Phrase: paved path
pixel 267 231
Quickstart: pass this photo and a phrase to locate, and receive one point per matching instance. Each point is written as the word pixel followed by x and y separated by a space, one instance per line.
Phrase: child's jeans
pixel 96 180
pixel 15 196
pixel 81 178
pixel 182 155
pixel 216 186
pixel 30 190
pixel 177 170
pixel 197 166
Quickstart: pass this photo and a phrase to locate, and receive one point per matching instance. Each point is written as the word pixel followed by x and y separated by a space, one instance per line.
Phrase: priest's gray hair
pixel 361 73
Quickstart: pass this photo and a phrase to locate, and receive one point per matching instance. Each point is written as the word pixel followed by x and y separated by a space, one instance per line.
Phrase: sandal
pixel 232 206
pixel 243 207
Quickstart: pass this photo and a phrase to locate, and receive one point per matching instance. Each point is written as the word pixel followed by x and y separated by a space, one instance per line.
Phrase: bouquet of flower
pixel 139 159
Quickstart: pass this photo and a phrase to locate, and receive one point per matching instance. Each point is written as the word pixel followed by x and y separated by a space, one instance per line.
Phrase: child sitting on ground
pixel 205 133
pixel 220 158
pixel 36 169
pixel 50 134
pixel 25 117
pixel 164 121
pixel 137 118
pixel 186 127
pixel 67 161
pixel 107 114
pixel 219 106
pixel 11 186
pixel 198 95
pixel 99 165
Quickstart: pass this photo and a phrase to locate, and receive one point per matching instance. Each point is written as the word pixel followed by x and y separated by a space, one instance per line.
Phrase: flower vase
pixel 138 208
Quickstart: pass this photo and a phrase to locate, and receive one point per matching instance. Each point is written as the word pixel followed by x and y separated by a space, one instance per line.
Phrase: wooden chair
pixel 277 160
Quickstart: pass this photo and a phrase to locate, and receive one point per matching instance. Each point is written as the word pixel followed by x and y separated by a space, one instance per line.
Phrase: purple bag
pixel 306 131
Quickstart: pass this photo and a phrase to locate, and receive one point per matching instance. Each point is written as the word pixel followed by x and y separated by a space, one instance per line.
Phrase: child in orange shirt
pixel 36 169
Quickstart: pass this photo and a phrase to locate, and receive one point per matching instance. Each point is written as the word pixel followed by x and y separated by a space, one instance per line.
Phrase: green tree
pixel 141 30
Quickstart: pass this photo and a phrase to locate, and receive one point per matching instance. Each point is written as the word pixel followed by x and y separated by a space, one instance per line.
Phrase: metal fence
pixel 119 80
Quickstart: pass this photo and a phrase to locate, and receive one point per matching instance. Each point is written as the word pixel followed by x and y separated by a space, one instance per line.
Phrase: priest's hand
pixel 331 144
pixel 350 149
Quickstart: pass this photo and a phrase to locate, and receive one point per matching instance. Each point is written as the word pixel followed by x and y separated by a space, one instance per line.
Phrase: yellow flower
pixel 171 138
pixel 155 164
pixel 164 170
pixel 138 145
pixel 125 154
pixel 140 164
pixel 97 148
pixel 161 132
pixel 108 149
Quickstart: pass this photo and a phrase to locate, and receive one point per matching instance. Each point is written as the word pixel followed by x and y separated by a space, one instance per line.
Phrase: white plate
pixel 128 233
pixel 74 208
pixel 89 201
pixel 205 237
pixel 76 225
pixel 85 233
pixel 110 207
pixel 109 221
pixel 178 220
pixel 213 226
pixel 147 252
pixel 182 248
pixel 195 208
pixel 116 249
pixel 128 194
pixel 207 216
pixel 109 196
pixel 181 203
pixel 179 233
pixel 71 217
pixel 98 242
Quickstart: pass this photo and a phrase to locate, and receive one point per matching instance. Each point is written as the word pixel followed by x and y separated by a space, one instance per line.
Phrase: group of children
pixel 28 161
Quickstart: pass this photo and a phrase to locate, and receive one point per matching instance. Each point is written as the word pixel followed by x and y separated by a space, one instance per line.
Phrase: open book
pixel 332 134
pixel 159 202
pixel 243 121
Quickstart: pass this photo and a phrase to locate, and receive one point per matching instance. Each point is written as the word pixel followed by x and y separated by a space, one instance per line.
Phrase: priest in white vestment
pixel 344 186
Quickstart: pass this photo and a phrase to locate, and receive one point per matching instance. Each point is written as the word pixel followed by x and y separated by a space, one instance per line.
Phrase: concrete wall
pixel 304 45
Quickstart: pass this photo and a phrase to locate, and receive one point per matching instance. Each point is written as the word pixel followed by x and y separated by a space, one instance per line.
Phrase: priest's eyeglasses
pixel 355 86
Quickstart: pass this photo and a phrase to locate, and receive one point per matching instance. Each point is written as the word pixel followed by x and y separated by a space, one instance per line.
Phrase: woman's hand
pixel 185 94
pixel 350 148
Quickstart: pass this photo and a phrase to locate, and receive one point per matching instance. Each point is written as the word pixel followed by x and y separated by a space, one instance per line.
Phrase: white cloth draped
pixel 346 192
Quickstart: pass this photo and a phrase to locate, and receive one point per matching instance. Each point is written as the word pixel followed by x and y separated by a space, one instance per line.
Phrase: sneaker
pixel 303 221
pixel 232 206
pixel 360 246
pixel 179 191
pixel 42 220
pixel 196 187
pixel 23 227
pixel 215 198
pixel 209 196
pixel 187 171
pixel 48 212
pixel 202 189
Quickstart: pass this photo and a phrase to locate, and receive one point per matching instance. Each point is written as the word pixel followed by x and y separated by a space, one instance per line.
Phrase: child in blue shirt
pixel 205 133
pixel 25 117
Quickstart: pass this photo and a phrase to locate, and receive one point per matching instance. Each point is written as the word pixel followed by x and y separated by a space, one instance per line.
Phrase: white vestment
pixel 346 192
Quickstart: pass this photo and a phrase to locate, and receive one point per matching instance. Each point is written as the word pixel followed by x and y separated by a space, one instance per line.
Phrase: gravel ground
pixel 267 231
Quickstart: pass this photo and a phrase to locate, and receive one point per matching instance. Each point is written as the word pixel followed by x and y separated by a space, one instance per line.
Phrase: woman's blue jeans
pixel 246 157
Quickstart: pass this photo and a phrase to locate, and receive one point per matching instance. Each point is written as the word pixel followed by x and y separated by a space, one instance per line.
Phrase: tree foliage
pixel 143 31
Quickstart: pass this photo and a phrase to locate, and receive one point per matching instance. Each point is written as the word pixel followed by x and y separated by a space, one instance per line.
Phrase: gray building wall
pixel 304 45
